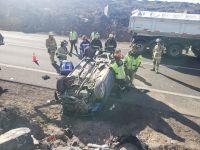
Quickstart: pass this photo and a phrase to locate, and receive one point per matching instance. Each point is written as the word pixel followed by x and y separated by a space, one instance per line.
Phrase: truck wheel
pixel 141 47
pixel 196 52
pixel 174 50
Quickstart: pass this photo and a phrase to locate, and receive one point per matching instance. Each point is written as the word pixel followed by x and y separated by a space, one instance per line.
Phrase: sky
pixel 189 1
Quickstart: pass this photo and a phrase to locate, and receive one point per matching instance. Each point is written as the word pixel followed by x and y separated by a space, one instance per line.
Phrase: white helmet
pixel 111 35
pixel 51 34
pixel 158 40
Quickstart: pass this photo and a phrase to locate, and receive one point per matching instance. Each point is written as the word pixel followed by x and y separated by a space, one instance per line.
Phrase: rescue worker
pixel 51 47
pixel 110 44
pixel 73 38
pixel 62 52
pixel 84 44
pixel 120 76
pixel 158 51
pixel 132 62
pixel 96 42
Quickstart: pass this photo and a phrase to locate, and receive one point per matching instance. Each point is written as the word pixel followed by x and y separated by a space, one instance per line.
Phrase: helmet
pixel 64 42
pixel 97 36
pixel 158 40
pixel 111 35
pixel 51 34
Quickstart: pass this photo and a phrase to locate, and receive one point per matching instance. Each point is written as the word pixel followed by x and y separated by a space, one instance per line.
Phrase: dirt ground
pixel 157 128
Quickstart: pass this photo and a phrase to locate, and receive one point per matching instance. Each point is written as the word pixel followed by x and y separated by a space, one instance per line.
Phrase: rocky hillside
pixel 84 16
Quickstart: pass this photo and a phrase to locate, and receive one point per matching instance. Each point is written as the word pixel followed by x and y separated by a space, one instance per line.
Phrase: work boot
pixel 157 72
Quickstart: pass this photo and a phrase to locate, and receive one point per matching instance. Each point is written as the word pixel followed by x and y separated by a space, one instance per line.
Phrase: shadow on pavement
pixel 3 90
pixel 182 61
pixel 182 83
pixel 131 115
pixel 143 80
pixel 56 67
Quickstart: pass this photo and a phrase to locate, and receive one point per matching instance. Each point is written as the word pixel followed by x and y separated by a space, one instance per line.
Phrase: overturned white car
pixel 88 86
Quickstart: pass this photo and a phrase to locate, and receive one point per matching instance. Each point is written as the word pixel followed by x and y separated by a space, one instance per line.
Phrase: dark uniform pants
pixel 73 46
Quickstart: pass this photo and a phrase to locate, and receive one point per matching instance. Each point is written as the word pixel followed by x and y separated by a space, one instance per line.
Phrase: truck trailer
pixel 178 31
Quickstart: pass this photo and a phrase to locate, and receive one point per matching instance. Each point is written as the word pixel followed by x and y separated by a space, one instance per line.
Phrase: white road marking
pixel 139 87
pixel 29 69
pixel 168 92
pixel 171 66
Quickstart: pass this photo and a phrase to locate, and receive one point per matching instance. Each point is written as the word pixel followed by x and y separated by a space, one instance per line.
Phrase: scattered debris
pixel 18 139
pixel 45 77
pixel 68 132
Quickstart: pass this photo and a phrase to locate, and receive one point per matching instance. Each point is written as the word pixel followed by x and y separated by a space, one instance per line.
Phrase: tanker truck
pixel 178 31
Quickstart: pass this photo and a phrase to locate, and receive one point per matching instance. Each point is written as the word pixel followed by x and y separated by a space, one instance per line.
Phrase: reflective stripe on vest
pixel 133 63
pixel 119 71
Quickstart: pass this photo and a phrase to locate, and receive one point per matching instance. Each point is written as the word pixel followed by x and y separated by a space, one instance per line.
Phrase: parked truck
pixel 178 31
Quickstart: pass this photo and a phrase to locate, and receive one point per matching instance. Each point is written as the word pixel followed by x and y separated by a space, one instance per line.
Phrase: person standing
pixel 73 38
pixel 119 71
pixel 84 44
pixel 51 46
pixel 110 44
pixel 158 51
pixel 132 62
pixel 96 42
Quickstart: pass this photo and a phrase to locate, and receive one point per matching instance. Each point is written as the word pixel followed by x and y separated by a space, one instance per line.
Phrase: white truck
pixel 177 31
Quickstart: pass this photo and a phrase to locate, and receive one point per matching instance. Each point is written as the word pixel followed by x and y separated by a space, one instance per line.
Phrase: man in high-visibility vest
pixel 158 51
pixel 110 44
pixel 51 47
pixel 119 71
pixel 132 62
pixel 73 38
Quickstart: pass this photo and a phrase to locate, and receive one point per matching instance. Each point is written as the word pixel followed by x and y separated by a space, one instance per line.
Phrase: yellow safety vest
pixel 132 62
pixel 73 35
pixel 119 71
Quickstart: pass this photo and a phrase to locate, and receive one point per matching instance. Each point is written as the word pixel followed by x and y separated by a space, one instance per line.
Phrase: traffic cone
pixel 34 58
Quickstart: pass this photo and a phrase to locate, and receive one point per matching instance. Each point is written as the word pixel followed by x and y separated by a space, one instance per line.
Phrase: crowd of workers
pixel 124 68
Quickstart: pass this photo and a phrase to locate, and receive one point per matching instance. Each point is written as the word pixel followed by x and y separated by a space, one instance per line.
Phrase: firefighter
pixel 51 47
pixel 110 44
pixel 96 42
pixel 158 51
pixel 62 52
pixel 120 76
pixel 132 62
pixel 73 38
pixel 84 44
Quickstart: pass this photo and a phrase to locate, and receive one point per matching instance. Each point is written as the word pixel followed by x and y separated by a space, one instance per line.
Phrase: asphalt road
pixel 177 85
